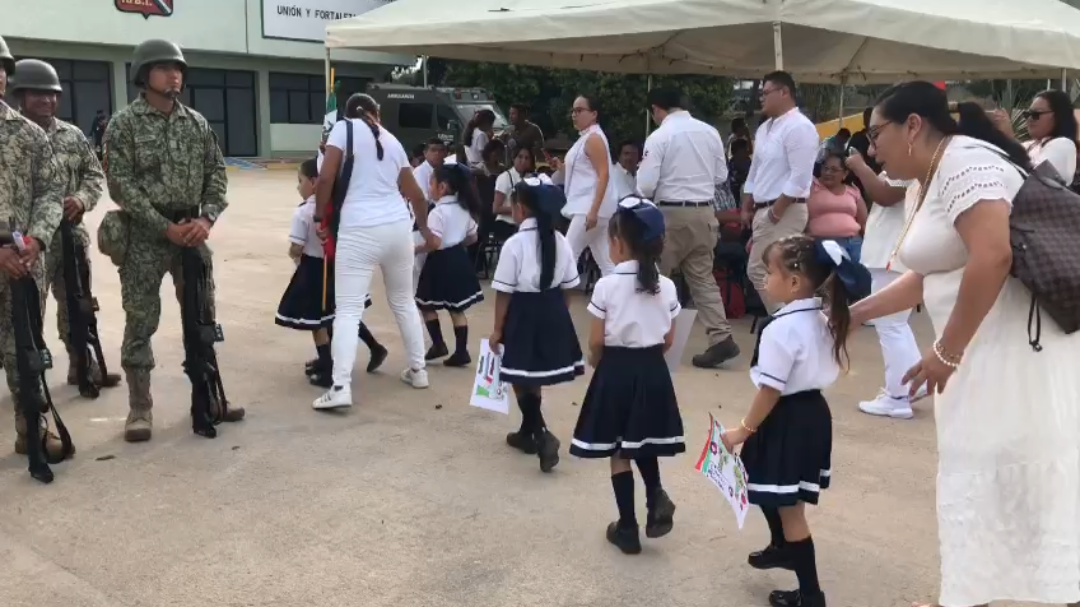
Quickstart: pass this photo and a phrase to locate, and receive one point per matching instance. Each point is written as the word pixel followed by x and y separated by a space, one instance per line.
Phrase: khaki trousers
pixel 689 246
pixel 766 232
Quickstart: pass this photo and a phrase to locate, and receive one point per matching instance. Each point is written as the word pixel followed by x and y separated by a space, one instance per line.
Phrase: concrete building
pixel 256 66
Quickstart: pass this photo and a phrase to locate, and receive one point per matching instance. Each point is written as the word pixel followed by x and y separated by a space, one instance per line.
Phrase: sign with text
pixel 306 20
pixel 146 8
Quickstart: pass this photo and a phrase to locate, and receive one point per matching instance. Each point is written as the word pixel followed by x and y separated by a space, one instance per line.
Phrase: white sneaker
pixel 921 394
pixel 886 406
pixel 338 397
pixel 416 378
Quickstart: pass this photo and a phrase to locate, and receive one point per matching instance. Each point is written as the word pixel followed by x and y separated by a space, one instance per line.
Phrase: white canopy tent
pixel 816 40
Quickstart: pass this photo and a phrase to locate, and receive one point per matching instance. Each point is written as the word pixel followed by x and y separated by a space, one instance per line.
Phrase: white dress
pixel 1008 423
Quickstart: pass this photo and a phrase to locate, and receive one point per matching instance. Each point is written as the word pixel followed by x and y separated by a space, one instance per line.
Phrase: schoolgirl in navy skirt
pixel 305 306
pixel 630 411
pixel 532 321
pixel 787 435
pixel 448 279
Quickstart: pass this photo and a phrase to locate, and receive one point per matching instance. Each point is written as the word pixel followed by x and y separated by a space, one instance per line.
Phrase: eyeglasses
pixel 1034 114
pixel 579 110
pixel 874 132
pixel 832 169
pixel 766 92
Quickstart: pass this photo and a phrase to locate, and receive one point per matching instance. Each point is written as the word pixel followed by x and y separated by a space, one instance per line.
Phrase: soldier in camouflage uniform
pixel 31 198
pixel 166 173
pixel 38 90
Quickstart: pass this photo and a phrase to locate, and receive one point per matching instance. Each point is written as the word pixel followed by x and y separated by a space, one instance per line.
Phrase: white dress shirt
pixel 625 182
pixel 422 175
pixel 683 162
pixel 784 153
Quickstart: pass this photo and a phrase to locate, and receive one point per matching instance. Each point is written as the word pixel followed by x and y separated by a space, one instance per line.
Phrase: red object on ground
pixel 731 292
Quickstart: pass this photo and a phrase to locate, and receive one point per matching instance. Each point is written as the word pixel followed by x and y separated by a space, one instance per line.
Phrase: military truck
pixel 416 114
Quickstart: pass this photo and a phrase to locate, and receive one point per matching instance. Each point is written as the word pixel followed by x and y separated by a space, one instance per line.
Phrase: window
pixel 415 115
pixel 87 89
pixel 446 116
pixel 297 98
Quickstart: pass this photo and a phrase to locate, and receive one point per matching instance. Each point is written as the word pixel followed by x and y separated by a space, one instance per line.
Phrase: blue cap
pixel 549 197
pixel 645 213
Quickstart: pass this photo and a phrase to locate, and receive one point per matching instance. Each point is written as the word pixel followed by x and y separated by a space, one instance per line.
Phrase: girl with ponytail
pixel 533 326
pixel 448 279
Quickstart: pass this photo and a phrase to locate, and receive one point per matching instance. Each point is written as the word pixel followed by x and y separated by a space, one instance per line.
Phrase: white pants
pixel 595 239
pixel 359 250
pixel 898 346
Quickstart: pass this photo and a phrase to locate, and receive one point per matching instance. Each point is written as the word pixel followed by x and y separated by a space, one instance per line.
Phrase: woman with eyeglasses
pixel 1007 416
pixel 586 178
pixel 836 208
pixel 1052 132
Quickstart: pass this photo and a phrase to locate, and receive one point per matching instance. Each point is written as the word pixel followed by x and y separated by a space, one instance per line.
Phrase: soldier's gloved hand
pixel 11 264
pixel 198 232
pixel 73 208
pixel 177 233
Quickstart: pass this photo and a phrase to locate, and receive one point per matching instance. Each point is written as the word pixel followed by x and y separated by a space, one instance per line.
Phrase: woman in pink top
pixel 837 211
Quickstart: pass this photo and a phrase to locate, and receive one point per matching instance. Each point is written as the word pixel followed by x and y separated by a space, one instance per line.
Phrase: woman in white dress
pixel 1052 132
pixel 1008 417
pixel 586 178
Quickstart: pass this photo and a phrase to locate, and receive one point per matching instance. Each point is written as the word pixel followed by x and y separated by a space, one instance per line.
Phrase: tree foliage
pixel 550 93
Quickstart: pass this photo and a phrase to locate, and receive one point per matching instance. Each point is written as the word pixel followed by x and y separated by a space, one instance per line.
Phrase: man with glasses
pixel 774 195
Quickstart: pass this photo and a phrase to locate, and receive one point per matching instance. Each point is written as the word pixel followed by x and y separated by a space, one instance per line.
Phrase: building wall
pixel 214 34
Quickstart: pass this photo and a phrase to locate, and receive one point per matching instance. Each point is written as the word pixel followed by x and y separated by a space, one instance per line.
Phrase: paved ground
pixel 412 498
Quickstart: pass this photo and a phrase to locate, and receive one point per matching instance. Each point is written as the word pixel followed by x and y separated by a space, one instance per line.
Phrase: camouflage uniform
pixel 158 166
pixel 31 196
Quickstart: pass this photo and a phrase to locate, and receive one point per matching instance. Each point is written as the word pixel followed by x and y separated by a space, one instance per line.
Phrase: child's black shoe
pixel 795 598
pixel 661 517
pixel 522 442
pixel 770 558
pixel 310 366
pixel 548 447
pixel 458 359
pixel 625 538
pixel 378 357
pixel 436 351
pixel 323 378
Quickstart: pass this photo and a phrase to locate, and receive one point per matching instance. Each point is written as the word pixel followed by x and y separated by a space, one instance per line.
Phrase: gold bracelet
pixel 742 424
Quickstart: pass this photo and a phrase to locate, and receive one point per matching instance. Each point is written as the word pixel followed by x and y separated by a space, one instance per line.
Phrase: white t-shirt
pixel 519 263
pixel 373 198
pixel 475 152
pixel 422 173
pixel 796 350
pixel 633 318
pixel 302 231
pixel 504 184
pixel 1059 152
pixel 450 222
pixel 884 226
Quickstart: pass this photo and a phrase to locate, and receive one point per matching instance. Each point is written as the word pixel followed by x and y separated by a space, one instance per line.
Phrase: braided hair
pixel 363 107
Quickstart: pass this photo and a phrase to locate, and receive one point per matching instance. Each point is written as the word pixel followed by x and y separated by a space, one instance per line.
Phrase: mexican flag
pixel 331 109
pixel 329 120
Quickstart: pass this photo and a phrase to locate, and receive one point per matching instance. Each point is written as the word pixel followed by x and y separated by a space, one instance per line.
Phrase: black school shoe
pixel 311 366
pixel 795 598
pixel 661 517
pixel 436 351
pixel 458 359
pixel 548 450
pixel 378 357
pixel 770 558
pixel 625 539
pixel 717 354
pixel 522 442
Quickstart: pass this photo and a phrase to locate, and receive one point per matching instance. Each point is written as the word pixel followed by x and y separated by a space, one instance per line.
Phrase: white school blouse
pixel 302 232
pixel 505 183
pixel 519 263
pixel 633 318
pixel 796 350
pixel 451 223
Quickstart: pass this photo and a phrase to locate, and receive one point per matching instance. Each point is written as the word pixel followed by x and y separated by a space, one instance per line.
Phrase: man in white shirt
pixel 681 169
pixel 624 173
pixel 884 227
pixel 775 192
pixel 434 155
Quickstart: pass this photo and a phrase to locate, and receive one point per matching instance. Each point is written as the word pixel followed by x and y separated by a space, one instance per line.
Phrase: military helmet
pixel 35 75
pixel 6 58
pixel 150 53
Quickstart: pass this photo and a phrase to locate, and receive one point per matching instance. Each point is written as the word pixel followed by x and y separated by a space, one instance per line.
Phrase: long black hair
pixel 1064 119
pixel 533 198
pixel 484 117
pixel 459 180
pixel 930 103
pixel 362 107
pixel 798 254
pixel 624 227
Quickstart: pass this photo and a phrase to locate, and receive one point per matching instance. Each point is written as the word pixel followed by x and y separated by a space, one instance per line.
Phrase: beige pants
pixel 793 221
pixel 689 246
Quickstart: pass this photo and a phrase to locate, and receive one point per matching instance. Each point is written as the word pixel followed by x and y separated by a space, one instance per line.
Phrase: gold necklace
pixel 923 186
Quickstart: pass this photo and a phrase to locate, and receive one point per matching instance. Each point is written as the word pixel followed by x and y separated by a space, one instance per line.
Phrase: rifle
pixel 32 358
pixel 201 332
pixel 83 337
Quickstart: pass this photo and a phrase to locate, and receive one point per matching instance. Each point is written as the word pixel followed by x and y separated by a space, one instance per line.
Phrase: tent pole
pixel 843 85
pixel 1065 80
pixel 778 45
pixel 329 76
pixel 648 121
pixel 424 66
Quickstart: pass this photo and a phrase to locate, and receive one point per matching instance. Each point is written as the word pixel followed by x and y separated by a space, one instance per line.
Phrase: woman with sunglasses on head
pixel 586 177
pixel 1052 131
pixel 1008 416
